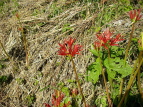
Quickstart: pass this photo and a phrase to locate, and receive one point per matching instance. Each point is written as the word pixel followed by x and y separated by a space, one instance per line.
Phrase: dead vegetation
pixel 46 23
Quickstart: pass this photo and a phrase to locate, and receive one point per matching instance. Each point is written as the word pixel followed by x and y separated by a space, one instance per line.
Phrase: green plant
pixel 134 16
pixel 54 10
pixel 57 100
pixel 101 101
pixel 3 79
pixel 2 66
pixel 20 81
pixel 114 11
pixel 70 50
pixel 2 4
pixel 15 6
pixel 5 50
pixel 108 60
pixel 30 99
pixel 68 28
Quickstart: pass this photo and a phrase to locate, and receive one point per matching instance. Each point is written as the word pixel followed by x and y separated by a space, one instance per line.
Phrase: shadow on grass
pixel 132 101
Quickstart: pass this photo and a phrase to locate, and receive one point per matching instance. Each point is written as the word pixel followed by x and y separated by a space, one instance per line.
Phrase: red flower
pixel 67 48
pixel 106 39
pixel 135 15
pixel 57 98
pixel 97 45
pixel 47 105
pixel 116 39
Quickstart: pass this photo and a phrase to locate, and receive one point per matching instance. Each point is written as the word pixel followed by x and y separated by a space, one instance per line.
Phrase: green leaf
pixel 45 88
pixel 66 91
pixel 111 73
pixel 116 51
pixel 94 71
pixel 125 71
pixel 71 81
pixel 116 65
pixel 94 51
pixel 3 79
pixel 104 101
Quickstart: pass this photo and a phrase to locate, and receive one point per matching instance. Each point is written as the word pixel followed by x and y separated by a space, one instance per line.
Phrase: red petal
pixel 47 105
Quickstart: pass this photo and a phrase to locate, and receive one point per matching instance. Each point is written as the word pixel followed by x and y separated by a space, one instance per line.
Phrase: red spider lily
pixel 68 49
pixel 105 39
pixel 135 15
pixel 57 100
pixel 97 45
pixel 116 39
pixel 47 105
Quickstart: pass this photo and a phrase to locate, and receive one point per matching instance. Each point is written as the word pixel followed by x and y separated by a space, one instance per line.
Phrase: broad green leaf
pixel 94 51
pixel 116 65
pixel 65 90
pixel 94 71
pixel 116 51
pixel 125 71
pixel 111 73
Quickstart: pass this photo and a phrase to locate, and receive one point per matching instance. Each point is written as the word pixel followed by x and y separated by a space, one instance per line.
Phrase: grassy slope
pixel 48 23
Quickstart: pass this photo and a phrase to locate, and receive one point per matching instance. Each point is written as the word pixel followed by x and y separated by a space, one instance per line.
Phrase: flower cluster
pixel 57 99
pixel 68 49
pixel 135 15
pixel 106 39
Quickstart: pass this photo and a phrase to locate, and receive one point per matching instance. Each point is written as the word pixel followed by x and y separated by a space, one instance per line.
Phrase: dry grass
pixel 43 34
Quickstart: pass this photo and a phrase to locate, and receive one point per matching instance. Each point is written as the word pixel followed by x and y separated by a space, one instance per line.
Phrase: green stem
pixel 121 89
pixel 78 83
pixel 131 75
pixel 134 68
pixel 109 55
pixel 129 43
pixel 107 93
pixel 13 64
pixel 138 78
pixel 105 83
pixel 5 50
pixel 130 83
pixel 125 58
pixel 110 79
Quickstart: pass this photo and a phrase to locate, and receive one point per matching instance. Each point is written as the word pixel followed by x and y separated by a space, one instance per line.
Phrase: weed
pixel 30 99
pixel 21 81
pixel 4 79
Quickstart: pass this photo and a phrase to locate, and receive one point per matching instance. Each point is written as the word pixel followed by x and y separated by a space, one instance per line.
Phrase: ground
pixel 30 82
